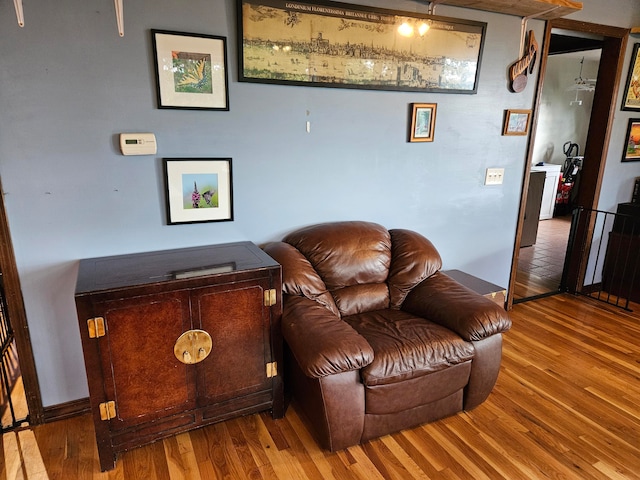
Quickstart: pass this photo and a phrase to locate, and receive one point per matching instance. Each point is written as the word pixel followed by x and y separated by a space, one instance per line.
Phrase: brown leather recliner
pixel 379 340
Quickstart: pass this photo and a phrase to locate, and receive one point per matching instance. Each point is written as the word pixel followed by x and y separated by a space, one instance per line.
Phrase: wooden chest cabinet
pixel 490 290
pixel 179 339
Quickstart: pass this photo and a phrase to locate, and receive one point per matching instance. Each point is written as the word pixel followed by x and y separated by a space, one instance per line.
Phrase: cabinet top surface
pixel 106 273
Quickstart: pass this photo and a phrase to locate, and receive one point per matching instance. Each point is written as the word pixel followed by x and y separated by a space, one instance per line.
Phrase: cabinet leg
pixel 107 458
pixel 278 408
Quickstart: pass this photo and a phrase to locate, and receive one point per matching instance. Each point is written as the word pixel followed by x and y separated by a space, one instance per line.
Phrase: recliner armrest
pixel 442 300
pixel 321 342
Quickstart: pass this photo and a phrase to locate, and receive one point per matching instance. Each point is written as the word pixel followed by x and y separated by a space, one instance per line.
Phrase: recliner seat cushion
pixel 406 346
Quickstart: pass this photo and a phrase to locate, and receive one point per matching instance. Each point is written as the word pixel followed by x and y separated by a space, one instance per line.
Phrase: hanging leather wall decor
pixel 518 71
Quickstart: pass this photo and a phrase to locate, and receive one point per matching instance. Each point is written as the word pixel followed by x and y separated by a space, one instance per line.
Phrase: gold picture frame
pixel 631 99
pixel 423 122
pixel 516 122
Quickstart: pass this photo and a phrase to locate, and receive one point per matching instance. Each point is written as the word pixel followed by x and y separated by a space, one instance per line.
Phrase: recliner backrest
pixel 353 260
pixel 362 265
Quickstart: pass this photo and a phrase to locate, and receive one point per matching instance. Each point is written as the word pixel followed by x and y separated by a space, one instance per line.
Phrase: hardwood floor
pixel 566 406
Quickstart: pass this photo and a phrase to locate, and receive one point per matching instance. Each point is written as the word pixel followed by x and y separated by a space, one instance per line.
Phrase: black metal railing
pixel 9 368
pixel 611 245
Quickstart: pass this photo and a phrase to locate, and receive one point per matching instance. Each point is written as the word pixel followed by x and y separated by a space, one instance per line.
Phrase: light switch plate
pixel 494 176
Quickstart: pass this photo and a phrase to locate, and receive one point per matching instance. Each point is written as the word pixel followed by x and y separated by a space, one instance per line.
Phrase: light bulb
pixel 405 30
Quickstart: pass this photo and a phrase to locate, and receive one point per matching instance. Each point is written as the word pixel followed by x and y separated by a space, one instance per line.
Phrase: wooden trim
pixel 586 27
pixel 66 410
pixel 605 104
pixel 527 168
pixel 542 9
pixel 18 318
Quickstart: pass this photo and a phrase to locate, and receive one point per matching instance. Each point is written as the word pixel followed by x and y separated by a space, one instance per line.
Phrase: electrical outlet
pixel 494 176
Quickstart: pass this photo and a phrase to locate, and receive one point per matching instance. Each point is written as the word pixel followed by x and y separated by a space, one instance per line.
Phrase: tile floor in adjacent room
pixel 543 262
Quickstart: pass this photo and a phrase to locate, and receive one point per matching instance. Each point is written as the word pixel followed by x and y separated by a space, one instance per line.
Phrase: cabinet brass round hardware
pixel 192 346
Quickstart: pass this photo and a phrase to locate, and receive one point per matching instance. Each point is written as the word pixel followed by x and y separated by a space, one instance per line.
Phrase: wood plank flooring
pixel 566 406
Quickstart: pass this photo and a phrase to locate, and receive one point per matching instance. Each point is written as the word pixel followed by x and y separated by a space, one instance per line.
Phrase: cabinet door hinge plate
pixel 270 297
pixel 272 369
pixel 108 410
pixel 96 327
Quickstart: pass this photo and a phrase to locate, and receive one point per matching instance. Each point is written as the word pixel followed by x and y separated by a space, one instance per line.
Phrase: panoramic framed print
pixel 423 122
pixel 632 142
pixel 198 190
pixel 631 99
pixel 191 70
pixel 516 122
pixel 330 44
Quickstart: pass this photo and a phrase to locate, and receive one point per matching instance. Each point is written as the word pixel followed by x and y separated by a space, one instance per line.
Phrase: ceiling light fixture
pixel 581 85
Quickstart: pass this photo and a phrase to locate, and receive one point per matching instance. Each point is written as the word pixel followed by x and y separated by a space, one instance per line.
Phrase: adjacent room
pixel 187 188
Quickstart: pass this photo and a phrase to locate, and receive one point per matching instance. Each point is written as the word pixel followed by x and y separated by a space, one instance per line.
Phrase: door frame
pixel 18 319
pixel 604 107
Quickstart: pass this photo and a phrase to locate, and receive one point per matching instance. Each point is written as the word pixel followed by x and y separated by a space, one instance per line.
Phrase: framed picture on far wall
pixel 198 190
pixel 631 99
pixel 632 142
pixel 516 122
pixel 423 122
pixel 191 70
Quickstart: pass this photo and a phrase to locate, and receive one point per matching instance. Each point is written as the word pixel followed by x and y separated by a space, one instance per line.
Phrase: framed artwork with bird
pixel 198 190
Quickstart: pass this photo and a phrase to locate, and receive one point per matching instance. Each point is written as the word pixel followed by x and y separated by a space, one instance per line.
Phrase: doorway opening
pixel 586 194
pixel 557 159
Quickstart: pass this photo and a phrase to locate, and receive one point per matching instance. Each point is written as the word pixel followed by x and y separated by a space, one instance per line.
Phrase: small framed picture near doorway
pixel 516 122
pixel 423 122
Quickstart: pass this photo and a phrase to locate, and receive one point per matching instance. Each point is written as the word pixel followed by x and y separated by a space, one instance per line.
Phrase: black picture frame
pixel 631 151
pixel 355 46
pixel 198 190
pixel 191 70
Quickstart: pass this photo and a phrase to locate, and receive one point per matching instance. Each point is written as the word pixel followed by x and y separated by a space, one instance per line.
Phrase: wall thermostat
pixel 138 144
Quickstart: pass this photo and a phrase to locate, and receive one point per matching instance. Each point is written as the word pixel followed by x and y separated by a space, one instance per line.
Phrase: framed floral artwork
pixel 198 190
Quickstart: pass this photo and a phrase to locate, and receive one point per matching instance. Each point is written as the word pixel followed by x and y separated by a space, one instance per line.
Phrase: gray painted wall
pixel 69 84
pixel 559 121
